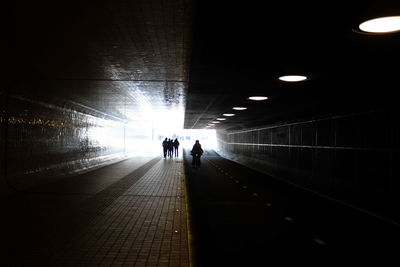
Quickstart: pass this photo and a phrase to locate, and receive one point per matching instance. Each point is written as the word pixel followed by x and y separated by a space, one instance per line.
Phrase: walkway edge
pixel 188 221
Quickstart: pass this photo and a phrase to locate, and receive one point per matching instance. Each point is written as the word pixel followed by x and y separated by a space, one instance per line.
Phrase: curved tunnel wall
pixel 41 142
pixel 352 158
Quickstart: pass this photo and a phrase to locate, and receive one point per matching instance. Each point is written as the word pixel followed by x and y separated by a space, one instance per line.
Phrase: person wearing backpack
pixel 196 153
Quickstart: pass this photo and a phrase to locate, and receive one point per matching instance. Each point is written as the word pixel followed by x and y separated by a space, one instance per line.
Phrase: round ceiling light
pixel 228 114
pixel 381 25
pixel 215 122
pixel 221 119
pixel 293 78
pixel 258 98
pixel 239 108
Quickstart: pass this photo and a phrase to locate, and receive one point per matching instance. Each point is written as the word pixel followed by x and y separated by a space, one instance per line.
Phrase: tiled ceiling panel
pixel 103 54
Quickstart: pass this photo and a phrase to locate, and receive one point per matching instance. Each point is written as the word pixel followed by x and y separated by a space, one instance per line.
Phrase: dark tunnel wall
pixel 352 158
pixel 41 142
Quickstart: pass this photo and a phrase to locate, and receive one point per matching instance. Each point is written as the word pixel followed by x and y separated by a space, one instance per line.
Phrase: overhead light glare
pixel 228 114
pixel 221 119
pixel 258 98
pixel 215 122
pixel 239 108
pixel 293 78
pixel 381 25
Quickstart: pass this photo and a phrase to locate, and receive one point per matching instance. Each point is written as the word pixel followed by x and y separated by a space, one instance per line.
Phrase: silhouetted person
pixel 170 148
pixel 196 150
pixel 165 147
pixel 176 146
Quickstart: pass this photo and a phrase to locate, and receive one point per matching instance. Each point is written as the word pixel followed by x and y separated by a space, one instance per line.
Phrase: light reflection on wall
pixel 42 142
pixel 106 133
pixel 139 138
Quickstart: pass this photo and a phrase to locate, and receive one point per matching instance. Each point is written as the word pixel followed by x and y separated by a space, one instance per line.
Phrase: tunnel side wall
pixel 351 158
pixel 42 142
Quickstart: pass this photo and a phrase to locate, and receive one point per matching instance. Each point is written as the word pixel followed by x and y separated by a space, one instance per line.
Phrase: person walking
pixel 170 148
pixel 176 146
pixel 165 147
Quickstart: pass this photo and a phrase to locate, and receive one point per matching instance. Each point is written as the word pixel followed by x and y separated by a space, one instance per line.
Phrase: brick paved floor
pixel 137 220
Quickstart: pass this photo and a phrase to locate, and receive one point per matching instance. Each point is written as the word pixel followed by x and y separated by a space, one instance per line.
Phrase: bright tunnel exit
pixel 144 135
pixel 150 112
pixel 145 139
pixel 155 111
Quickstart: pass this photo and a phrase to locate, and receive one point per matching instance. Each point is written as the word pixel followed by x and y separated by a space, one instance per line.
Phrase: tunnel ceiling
pixel 241 48
pixel 122 59
pixel 126 58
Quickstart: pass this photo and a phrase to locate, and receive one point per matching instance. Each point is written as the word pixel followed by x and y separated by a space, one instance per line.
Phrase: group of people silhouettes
pixel 170 147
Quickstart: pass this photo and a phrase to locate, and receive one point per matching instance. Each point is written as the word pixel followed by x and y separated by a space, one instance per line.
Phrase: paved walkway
pixel 132 213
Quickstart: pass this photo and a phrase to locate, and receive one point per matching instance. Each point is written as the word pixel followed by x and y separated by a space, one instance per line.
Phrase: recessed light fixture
pixel 215 122
pixel 293 78
pixel 258 98
pixel 239 108
pixel 221 119
pixel 381 25
pixel 228 114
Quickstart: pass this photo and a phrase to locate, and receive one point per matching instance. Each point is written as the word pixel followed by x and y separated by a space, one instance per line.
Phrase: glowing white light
pixel 293 78
pixel 207 138
pixel 258 98
pixel 381 25
pixel 215 122
pixel 109 134
pixel 228 114
pixel 221 119
pixel 239 108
